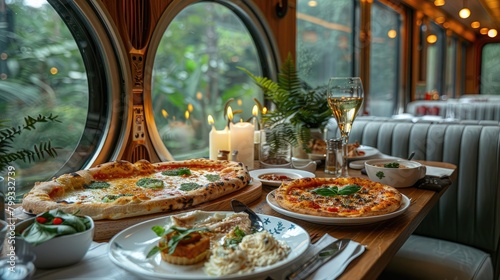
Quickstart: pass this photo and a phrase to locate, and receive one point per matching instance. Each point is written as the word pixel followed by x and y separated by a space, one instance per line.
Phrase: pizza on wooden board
pixel 121 189
pixel 338 197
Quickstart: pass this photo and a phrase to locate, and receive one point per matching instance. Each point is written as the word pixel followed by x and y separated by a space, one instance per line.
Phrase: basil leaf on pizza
pixel 189 186
pixel 212 177
pixel 98 185
pixel 150 183
pixel 113 197
pixel 177 172
pixel 333 191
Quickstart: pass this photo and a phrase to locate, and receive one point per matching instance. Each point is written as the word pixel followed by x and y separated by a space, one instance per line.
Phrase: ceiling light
pixel 464 12
pixel 492 33
pixel 483 30
pixel 440 20
pixel 475 24
pixel 438 3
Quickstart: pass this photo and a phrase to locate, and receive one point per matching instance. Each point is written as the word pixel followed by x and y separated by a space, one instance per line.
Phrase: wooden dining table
pixel 381 239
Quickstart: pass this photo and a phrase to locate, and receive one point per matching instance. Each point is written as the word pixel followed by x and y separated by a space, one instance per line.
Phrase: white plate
pixel 369 152
pixel 291 173
pixel 338 220
pixel 316 156
pixel 128 249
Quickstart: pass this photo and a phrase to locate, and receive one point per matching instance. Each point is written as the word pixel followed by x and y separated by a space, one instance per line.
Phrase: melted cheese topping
pixel 126 187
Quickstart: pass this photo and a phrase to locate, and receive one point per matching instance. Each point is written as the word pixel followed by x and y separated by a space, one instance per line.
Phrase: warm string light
pixel 431 39
pixel 464 12
pixel 439 3
pixel 492 33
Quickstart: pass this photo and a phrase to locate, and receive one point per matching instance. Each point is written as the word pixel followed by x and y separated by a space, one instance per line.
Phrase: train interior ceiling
pixel 106 80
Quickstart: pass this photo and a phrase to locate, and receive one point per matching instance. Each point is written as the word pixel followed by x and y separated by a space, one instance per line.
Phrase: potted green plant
pixel 299 110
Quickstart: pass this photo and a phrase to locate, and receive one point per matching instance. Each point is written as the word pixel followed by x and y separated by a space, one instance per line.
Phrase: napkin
pixel 438 171
pixel 330 270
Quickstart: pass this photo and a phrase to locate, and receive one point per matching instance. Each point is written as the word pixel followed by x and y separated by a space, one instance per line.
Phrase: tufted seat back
pixel 489 110
pixel 469 211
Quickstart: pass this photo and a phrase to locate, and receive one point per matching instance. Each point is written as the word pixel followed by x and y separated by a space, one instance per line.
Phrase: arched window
pixel 200 45
pixel 53 64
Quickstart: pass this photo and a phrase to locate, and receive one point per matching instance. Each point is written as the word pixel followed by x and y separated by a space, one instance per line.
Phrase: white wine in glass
pixel 345 96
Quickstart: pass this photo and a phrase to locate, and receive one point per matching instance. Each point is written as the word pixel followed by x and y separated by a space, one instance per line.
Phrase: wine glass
pixel 345 96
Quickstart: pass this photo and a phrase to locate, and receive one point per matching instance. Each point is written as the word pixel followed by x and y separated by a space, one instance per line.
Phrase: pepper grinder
pixel 333 162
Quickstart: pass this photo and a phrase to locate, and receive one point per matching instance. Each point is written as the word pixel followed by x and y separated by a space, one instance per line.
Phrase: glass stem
pixel 345 152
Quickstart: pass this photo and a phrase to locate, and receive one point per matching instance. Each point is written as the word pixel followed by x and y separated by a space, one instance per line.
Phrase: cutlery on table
pixel 316 261
pixel 239 206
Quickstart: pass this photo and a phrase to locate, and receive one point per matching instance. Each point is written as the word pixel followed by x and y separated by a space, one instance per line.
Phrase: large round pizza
pixel 338 197
pixel 121 189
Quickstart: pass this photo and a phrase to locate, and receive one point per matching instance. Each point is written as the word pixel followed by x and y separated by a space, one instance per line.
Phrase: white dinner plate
pixel 338 220
pixel 128 249
pixel 291 173
pixel 369 152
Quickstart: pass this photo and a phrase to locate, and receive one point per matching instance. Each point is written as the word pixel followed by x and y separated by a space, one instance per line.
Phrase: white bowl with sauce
pixel 395 173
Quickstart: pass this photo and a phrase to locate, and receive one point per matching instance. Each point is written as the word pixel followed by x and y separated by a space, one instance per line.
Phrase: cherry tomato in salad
pixel 57 221
pixel 41 220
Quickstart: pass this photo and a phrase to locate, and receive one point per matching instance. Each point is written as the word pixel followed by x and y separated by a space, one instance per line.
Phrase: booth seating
pixel 457 109
pixel 459 239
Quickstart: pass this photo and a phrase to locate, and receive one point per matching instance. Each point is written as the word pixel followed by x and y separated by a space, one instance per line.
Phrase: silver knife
pixel 316 261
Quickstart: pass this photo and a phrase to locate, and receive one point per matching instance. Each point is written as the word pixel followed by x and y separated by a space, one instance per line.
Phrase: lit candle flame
pixel 164 113
pixel 199 95
pixel 264 110
pixel 186 115
pixel 190 107
pixel 210 120
pixel 255 111
pixel 229 113
pixel 239 102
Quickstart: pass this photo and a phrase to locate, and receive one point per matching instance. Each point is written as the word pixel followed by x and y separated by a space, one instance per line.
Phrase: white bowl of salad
pixel 56 238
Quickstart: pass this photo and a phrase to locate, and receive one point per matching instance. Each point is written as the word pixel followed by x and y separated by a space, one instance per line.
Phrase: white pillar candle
pixel 218 140
pixel 242 140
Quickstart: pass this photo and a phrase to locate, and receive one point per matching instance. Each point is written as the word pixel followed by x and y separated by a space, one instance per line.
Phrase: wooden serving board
pixel 106 229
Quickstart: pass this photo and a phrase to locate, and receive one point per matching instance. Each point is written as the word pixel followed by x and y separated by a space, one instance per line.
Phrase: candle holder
pixel 272 155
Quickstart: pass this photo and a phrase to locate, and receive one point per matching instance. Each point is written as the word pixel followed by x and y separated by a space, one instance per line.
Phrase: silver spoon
pixel 411 155
pixel 239 206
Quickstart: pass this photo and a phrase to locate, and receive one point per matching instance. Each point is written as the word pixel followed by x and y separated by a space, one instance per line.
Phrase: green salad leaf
pixel 180 234
pixel 54 223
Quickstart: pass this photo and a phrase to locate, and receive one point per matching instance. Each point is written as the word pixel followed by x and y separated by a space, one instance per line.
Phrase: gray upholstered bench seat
pixel 462 232
pixel 431 258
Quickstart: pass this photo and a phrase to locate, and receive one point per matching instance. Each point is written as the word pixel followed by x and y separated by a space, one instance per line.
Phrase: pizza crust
pixel 371 200
pixel 52 194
